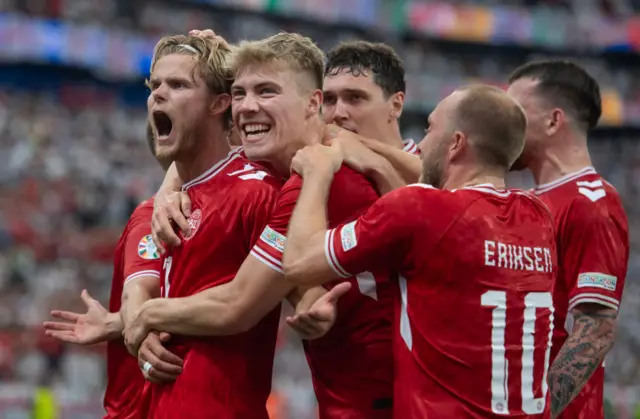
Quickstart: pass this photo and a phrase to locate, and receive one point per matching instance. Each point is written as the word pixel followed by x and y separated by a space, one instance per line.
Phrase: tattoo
pixel 585 349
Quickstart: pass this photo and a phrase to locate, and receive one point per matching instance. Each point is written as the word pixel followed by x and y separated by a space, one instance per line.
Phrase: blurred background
pixel 74 163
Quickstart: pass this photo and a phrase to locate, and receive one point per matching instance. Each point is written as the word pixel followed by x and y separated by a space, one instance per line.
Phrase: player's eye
pixel 267 91
pixel 329 100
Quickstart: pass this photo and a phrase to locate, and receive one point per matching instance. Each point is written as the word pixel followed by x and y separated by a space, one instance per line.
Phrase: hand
pixel 81 329
pixel 353 147
pixel 170 209
pixel 317 159
pixel 209 34
pixel 321 316
pixel 165 366
pixel 137 329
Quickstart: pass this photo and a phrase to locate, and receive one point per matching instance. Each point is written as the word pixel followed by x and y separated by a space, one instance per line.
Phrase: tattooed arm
pixel 591 339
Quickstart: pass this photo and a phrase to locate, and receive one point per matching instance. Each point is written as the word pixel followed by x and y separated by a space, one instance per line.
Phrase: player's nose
pixel 159 94
pixel 248 104
pixel 340 111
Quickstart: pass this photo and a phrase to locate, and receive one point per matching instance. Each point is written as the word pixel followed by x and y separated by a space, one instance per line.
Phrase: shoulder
pixel 142 212
pixel 418 198
pixel 249 178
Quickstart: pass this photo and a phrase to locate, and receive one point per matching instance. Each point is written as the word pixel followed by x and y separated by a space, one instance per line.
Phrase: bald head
pixel 494 123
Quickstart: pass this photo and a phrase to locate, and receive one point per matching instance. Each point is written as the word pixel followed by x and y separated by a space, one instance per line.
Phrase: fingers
pixel 165 365
pixel 86 298
pixel 156 239
pixel 174 211
pixel 305 326
pixel 185 204
pixel 162 228
pixel 63 335
pixel 58 326
pixel 336 292
pixel 65 315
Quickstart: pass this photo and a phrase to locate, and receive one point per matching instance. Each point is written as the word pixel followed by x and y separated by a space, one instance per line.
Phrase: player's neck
pixel 313 134
pixel 557 161
pixel 210 149
pixel 392 137
pixel 462 179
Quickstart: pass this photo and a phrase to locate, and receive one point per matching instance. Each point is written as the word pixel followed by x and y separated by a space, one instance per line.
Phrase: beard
pixel 433 166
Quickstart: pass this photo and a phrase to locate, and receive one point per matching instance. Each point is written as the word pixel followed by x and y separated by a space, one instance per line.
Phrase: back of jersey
pixel 476 306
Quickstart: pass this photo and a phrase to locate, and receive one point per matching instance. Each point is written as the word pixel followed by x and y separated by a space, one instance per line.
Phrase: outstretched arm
pixel 591 339
pixel 408 165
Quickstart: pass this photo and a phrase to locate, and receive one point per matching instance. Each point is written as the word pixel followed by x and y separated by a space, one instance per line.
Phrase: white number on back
pixel 499 363
pixel 167 269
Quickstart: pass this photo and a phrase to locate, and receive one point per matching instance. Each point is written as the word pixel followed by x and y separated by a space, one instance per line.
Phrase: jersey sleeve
pixel 263 198
pixel 595 255
pixel 141 257
pixel 382 236
pixel 270 245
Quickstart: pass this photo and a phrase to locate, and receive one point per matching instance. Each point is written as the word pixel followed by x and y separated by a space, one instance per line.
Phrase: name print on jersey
pixel 510 256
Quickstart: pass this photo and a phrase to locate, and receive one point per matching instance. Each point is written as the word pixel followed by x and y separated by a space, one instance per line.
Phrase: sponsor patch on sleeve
pixel 597 280
pixel 348 236
pixel 147 248
pixel 273 238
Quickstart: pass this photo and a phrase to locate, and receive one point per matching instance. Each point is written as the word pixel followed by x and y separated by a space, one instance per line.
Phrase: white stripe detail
pixel 266 259
pixel 405 325
pixel 410 146
pixel 594 184
pixel 502 194
pixel 367 284
pixel 330 254
pixel 589 170
pixel 217 168
pixel 421 185
pixel 139 274
pixel 256 248
pixel 594 298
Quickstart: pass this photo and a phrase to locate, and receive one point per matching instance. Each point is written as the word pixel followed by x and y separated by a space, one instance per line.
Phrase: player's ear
pixel 459 142
pixel 220 104
pixel 315 103
pixel 397 104
pixel 555 121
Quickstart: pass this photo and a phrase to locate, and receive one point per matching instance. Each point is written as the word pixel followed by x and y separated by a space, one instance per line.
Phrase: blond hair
pixel 210 54
pixel 495 123
pixel 296 52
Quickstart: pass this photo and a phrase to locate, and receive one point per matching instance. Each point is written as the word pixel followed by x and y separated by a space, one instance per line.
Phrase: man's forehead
pixel 345 79
pixel 261 73
pixel 173 63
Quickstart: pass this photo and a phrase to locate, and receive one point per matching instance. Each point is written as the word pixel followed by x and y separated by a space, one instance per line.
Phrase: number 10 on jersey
pixel 499 362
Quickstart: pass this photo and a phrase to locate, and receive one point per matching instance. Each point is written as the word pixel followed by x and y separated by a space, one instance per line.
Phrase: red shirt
pixel 352 365
pixel 135 256
pixel 226 376
pixel 477 267
pixel 593 252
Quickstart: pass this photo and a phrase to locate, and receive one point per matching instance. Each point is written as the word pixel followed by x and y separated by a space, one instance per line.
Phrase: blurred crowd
pixel 71 175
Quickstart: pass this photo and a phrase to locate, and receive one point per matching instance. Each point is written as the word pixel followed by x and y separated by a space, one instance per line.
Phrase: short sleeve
pixel 380 237
pixel 595 252
pixel 141 257
pixel 257 213
pixel 270 245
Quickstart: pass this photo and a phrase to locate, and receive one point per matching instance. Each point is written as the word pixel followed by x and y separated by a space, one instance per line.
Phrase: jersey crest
pixel 194 223
pixel 147 248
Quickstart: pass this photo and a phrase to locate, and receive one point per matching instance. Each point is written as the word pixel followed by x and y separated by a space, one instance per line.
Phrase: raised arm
pixel 408 165
pixel 361 158
pixel 314 255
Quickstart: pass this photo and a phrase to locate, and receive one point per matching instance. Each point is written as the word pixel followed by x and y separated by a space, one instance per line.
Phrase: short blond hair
pixel 292 50
pixel 495 121
pixel 211 55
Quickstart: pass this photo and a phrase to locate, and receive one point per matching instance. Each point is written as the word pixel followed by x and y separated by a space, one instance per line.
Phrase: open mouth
pixel 163 124
pixel 255 131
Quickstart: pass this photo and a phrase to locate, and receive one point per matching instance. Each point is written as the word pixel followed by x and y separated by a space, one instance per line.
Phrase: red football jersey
pixel 226 376
pixel 352 365
pixel 473 324
pixel 135 256
pixel 593 251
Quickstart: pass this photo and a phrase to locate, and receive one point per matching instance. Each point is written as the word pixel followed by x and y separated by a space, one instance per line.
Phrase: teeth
pixel 255 128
